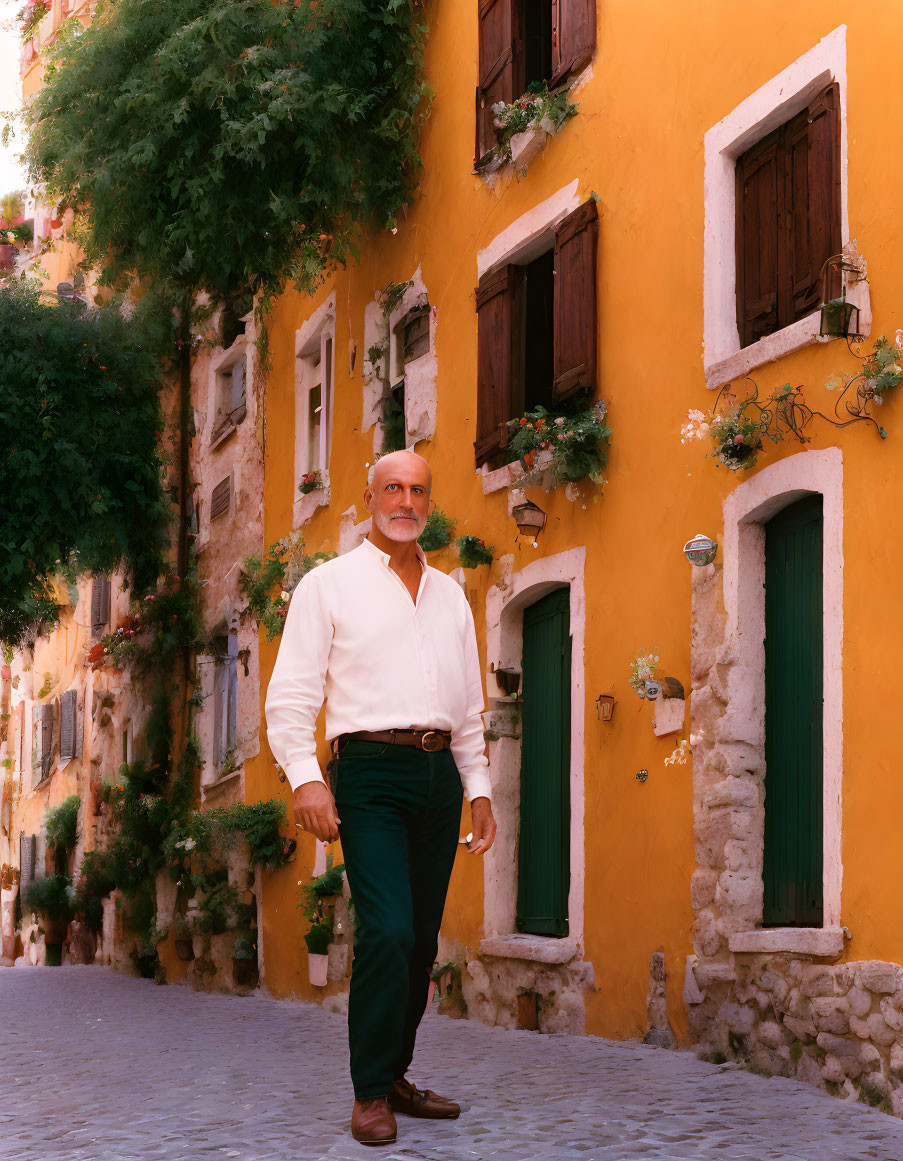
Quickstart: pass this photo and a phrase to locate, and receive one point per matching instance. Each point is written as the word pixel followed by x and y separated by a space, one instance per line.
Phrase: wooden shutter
pixel 232 692
pixel 68 708
pixel 499 375
pixel 575 301
pixel 757 240
pixel 543 848
pixel 47 719
pixel 823 173
pixel 221 498
pixel 500 65
pixel 20 727
pixel 100 605
pixel 792 868
pixel 239 393
pixel 28 849
pixel 573 37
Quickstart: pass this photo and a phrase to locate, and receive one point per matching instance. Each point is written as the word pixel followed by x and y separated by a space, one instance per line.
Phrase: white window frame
pixel 770 106
pixel 315 340
pixel 221 389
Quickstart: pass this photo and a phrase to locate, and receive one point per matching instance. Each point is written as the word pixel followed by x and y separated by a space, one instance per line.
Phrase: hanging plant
pixel 536 109
pixel 574 439
pixel 472 551
pixel 310 482
pixel 284 564
pixel 438 531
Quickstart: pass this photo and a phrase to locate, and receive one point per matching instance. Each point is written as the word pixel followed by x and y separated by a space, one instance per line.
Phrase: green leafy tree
pixel 80 469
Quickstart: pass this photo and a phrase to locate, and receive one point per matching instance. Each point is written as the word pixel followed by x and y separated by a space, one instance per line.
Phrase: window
pixel 100 605
pixel 788 219
pixel 20 747
pixel 413 335
pixel 536 331
pixel 42 744
pixel 28 851
pixel 231 397
pixel 225 697
pixel 221 499
pixel 524 42
pixel 411 341
pixel 313 405
pixel 68 716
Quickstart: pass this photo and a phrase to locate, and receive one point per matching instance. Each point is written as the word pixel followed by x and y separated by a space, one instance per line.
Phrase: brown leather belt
pixel 429 740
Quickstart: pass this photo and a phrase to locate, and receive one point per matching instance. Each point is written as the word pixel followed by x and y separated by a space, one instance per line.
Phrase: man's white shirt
pixel 353 635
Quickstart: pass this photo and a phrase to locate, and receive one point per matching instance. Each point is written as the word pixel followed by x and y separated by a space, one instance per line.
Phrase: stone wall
pixel 797 1013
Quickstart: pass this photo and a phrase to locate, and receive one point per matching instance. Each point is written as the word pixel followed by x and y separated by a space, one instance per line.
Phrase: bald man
pixel 389 643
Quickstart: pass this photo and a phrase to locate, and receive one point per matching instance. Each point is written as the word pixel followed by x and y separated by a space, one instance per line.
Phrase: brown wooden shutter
pixel 758 186
pixel 575 301
pixel 100 604
pixel 222 495
pixel 47 716
pixel 823 172
pixel 68 706
pixel 499 375
pixel 28 849
pixel 573 37
pixel 21 729
pixel 500 66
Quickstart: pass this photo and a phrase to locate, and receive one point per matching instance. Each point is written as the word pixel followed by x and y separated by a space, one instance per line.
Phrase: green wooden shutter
pixel 792 871
pixel 543 857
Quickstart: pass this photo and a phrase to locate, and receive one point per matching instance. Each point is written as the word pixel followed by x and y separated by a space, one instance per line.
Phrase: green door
pixel 793 716
pixel 543 852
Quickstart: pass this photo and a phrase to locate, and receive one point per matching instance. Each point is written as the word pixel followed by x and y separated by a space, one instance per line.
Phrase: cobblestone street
pixel 96 1065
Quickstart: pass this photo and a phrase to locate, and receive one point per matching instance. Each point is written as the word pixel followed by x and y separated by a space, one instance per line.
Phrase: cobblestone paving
pixel 99 1066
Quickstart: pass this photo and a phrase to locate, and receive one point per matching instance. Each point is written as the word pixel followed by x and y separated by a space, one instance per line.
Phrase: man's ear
pixel 368 497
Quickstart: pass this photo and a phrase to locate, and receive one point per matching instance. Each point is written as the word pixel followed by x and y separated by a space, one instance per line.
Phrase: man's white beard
pixel 400 530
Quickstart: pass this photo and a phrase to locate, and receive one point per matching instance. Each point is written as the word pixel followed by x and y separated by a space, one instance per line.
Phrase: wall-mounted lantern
pixel 529 518
pixel 839 318
pixel 701 549
pixel 605 707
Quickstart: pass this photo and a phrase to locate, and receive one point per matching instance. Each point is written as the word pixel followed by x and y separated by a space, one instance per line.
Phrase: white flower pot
pixel 316 969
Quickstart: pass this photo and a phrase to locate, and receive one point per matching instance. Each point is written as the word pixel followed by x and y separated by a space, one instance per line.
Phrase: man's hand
pixel 315 811
pixel 484 827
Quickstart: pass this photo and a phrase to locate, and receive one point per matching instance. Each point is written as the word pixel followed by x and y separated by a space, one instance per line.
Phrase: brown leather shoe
pixel 421 1102
pixel 372 1122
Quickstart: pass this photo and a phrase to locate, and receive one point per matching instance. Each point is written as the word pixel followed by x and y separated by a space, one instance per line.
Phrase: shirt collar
pixel 384 556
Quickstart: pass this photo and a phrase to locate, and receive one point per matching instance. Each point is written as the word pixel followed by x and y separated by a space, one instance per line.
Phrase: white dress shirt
pixel 353 635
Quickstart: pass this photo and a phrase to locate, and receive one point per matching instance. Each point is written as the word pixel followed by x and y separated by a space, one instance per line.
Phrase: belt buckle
pixel 438 742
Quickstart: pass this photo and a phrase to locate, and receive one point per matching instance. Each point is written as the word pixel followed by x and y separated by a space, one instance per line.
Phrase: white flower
pixel 284 595
pixel 898 339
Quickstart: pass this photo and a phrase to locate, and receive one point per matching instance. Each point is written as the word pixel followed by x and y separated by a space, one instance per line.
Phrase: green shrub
pixel 472 551
pixel 61 824
pixel 438 531
pixel 51 898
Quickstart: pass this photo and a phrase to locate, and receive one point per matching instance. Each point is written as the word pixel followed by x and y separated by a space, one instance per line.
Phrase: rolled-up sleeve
pixel 295 693
pixel 468 746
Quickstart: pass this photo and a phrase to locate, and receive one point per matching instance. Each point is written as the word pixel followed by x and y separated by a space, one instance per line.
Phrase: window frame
pixel 314 340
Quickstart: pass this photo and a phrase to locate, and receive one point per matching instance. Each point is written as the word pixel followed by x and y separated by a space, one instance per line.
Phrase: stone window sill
pixel 822 941
pixel 535 948
pixel 795 337
pixel 211 788
pixel 513 475
pixel 219 437
pixel 306 505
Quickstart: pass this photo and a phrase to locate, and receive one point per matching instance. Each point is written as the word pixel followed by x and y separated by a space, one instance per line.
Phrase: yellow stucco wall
pixel 664 73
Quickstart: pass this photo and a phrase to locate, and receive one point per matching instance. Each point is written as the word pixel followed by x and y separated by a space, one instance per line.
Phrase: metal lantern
pixel 839 318
pixel 605 705
pixel 701 549
pixel 529 518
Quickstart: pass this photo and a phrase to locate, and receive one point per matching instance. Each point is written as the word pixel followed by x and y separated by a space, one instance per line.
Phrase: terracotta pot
pixel 184 949
pixel 317 966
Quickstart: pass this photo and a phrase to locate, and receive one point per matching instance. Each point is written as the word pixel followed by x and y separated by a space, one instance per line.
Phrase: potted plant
pixel 438 531
pixel 472 551
pixel 310 482
pixel 318 910
pixel 571 444
pixel 51 901
pixel 244 962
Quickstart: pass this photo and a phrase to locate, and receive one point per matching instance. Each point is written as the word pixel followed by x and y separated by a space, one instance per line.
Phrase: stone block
pixel 879 1031
pixel 798 1005
pixel 896 1100
pixel 661 1037
pixel 657 1011
pixel 800 1029
pixel 714 973
pixel 770 981
pixel 818 980
pixel 860 1027
pixel 668 716
pixel 706 939
pixel 339 960
pixel 896 1060
pixel 772 1035
pixel 869 1057
pixel 738 1018
pixel 844 978
pixel 744 857
pixel 737 792
pixel 891 1012
pixel 740 894
pixel 657 967
pixel 831 1014
pixel 837 1045
pixel 832 1070
pixel 337 1003
pixel 808 1071
pixel 702 888
pixel 878 976
pixel 860 1001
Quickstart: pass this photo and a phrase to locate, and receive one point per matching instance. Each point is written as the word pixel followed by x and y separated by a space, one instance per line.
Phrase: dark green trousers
pixel 401 812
